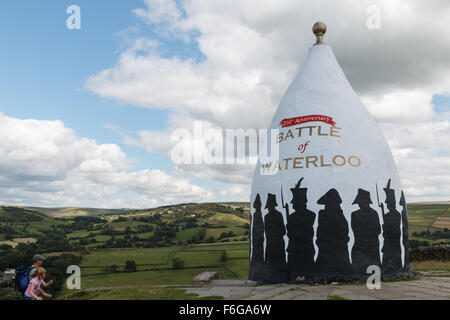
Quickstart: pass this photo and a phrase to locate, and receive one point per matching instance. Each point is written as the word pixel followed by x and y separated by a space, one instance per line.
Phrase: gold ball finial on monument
pixel 319 30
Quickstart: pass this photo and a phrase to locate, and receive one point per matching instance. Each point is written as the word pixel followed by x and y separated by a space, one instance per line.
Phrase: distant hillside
pixel 98 228
pixel 17 222
pixel 222 207
pixel 73 211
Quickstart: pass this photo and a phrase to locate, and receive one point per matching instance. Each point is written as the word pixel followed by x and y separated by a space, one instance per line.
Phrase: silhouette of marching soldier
pixel 275 255
pixel 332 238
pixel 405 232
pixel 366 229
pixel 257 257
pixel 392 261
pixel 300 232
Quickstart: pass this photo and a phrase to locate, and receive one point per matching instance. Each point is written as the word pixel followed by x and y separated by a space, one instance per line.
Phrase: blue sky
pixel 45 65
pixel 44 68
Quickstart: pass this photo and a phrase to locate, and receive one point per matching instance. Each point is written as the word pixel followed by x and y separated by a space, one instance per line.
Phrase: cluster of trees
pixel 14 222
pixel 126 242
pixel 9 232
pixel 155 219
pixel 82 223
pixel 16 214
pixel 54 241
pixel 413 244
pixel 109 231
pixel 188 222
pixel 224 235
pixel 436 235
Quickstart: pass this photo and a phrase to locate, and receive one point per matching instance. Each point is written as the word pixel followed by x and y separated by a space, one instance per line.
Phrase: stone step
pixel 204 277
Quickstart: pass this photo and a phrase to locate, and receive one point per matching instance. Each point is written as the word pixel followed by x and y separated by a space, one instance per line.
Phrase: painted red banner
pixel 299 120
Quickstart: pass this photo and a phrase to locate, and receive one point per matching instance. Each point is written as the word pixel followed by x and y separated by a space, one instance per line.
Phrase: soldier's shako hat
pixel 271 201
pixel 363 197
pixel 299 194
pixel 331 197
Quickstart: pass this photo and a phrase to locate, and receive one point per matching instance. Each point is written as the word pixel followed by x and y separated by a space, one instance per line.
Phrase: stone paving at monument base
pixel 427 288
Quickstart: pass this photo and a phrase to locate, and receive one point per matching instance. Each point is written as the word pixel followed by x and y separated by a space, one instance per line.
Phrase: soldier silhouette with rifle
pixel 392 261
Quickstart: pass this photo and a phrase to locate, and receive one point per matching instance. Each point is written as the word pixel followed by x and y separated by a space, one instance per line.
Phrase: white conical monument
pixel 332 204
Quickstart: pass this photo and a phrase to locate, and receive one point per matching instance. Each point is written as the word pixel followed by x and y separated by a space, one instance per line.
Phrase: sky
pixel 86 116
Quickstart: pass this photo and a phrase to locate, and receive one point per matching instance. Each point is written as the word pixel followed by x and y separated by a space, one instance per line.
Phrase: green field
pixel 186 234
pixel 196 257
pixel 422 216
pixel 155 267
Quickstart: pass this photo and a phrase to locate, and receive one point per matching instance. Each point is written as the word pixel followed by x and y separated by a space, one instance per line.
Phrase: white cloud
pixel 45 163
pixel 406 106
pixel 236 192
pixel 252 50
pixel 159 11
pixel 422 154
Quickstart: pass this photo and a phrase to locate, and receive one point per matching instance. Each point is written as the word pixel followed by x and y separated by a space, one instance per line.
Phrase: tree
pixel 223 256
pixel 177 263
pixel 130 266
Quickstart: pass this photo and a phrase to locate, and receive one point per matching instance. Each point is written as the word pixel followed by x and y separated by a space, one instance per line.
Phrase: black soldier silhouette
pixel 392 261
pixel 332 237
pixel 257 257
pixel 300 232
pixel 366 229
pixel 405 232
pixel 275 255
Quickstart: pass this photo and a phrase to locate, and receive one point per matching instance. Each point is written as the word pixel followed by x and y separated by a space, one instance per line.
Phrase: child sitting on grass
pixel 34 287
